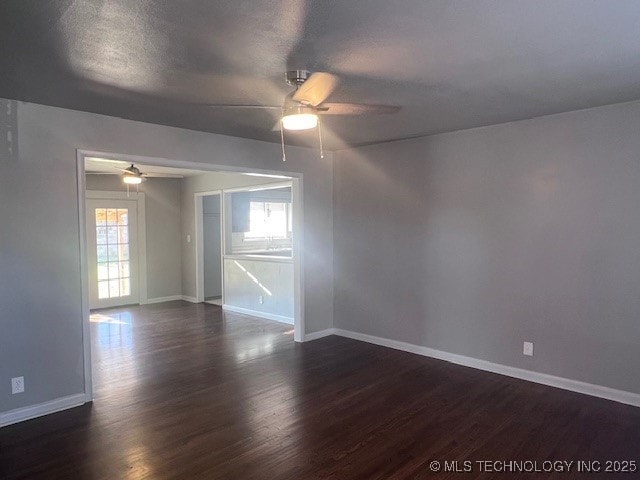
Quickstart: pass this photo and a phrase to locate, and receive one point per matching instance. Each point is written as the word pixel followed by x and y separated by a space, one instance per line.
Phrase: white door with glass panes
pixel 112 227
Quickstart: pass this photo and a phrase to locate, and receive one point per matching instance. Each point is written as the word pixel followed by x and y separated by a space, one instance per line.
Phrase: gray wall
pixel 474 241
pixel 41 317
pixel 212 245
pixel 162 212
pixel 275 286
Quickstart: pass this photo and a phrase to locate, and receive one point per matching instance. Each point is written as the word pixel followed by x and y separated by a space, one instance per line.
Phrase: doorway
pixel 162 167
pixel 212 248
pixel 113 249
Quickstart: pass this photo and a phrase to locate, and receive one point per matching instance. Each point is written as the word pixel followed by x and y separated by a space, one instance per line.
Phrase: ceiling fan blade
pixel 316 89
pixel 356 109
pixel 224 105
pixel 100 173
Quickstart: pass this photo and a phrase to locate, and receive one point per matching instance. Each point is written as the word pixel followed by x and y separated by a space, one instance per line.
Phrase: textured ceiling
pixel 449 64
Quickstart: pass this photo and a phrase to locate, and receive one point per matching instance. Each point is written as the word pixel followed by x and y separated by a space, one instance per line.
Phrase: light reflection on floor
pixel 250 348
pixel 113 356
pixel 126 362
pixel 113 330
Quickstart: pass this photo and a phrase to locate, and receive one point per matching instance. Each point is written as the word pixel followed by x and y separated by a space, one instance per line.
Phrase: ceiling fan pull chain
pixel 320 138
pixel 284 155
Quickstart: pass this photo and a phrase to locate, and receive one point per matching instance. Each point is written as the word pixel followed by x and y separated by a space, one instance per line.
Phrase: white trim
pixel 600 391
pixel 259 187
pixel 259 258
pixel 198 198
pixel 169 298
pixel 34 411
pixel 84 278
pixel 321 334
pixel 255 313
pixel 168 162
pixel 187 298
pixel 297 252
pixel 142 249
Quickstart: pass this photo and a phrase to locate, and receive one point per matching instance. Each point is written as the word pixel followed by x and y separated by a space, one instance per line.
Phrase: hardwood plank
pixel 188 391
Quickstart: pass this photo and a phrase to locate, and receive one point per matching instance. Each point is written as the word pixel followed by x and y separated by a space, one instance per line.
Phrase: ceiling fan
pixel 301 107
pixel 132 174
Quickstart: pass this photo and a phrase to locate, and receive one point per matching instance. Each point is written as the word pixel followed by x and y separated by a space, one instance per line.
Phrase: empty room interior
pixel 319 240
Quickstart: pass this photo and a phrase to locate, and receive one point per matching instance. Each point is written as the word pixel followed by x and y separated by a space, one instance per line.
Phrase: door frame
pixel 297 190
pixel 141 232
pixel 199 239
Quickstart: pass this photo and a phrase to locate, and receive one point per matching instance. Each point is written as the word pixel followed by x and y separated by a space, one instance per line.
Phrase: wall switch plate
pixel 17 385
pixel 261 299
pixel 188 238
pixel 527 349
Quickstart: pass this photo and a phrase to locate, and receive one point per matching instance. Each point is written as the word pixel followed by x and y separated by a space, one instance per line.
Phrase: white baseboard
pixel 33 411
pixel 255 313
pixel 189 299
pixel 316 335
pixel 170 298
pixel 620 396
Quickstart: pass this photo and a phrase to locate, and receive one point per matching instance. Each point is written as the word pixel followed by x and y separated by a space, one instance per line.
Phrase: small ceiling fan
pixel 301 107
pixel 132 174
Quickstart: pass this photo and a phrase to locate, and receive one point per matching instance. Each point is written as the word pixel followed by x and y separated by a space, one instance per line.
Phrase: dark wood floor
pixel 184 391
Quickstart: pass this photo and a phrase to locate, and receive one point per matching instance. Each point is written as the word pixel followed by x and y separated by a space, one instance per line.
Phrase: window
pixel 269 220
pixel 112 239
pixel 259 222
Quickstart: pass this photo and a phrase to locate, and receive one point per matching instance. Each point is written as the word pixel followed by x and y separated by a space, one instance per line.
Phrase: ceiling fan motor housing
pixel 295 78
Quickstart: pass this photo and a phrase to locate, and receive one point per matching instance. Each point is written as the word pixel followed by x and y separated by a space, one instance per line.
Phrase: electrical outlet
pixel 261 299
pixel 17 385
pixel 527 349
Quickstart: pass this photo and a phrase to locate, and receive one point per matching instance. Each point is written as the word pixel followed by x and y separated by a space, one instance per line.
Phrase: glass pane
pixel 114 288
pixel 101 216
pixel 112 216
pixel 102 253
pixel 123 216
pixel 125 287
pixel 124 269
pixel 113 270
pixel 101 235
pixel 124 252
pixel 113 253
pixel 103 290
pixel 103 272
pixel 112 234
pixel 267 220
pixel 123 234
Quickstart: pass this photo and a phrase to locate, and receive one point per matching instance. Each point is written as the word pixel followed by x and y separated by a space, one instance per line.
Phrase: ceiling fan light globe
pixel 299 117
pixel 300 121
pixel 132 179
